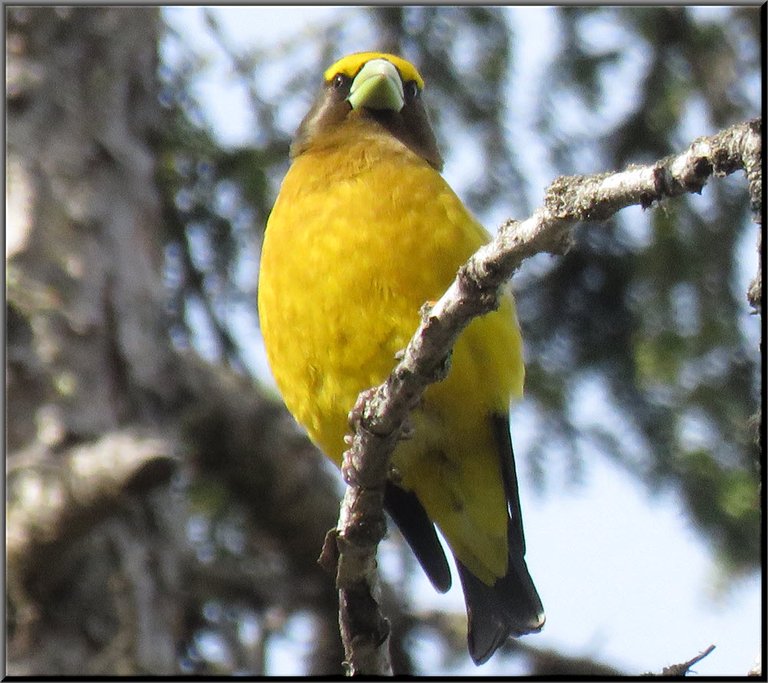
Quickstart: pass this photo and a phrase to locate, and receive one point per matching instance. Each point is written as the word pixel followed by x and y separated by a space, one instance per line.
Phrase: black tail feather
pixel 511 607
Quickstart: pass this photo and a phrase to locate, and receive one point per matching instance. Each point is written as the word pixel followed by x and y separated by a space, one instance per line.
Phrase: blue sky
pixel 623 576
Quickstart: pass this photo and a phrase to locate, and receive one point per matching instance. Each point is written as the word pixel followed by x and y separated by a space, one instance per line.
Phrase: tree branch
pixel 380 414
pixel 50 503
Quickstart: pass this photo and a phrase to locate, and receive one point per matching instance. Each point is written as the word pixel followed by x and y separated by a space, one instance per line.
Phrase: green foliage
pixel 652 303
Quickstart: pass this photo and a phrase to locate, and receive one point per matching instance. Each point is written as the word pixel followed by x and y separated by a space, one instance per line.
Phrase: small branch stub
pixel 684 667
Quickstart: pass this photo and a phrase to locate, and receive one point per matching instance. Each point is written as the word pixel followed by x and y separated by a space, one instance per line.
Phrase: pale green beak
pixel 377 86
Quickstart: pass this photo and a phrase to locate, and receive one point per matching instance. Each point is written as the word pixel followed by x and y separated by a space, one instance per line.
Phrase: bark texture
pixel 107 423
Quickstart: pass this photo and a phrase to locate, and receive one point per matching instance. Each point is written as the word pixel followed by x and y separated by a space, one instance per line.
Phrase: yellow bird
pixel 364 231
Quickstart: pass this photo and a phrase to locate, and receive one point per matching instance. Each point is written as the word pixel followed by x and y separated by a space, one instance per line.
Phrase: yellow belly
pixel 359 238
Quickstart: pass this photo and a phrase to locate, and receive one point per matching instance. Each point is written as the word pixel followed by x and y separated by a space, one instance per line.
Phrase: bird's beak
pixel 377 86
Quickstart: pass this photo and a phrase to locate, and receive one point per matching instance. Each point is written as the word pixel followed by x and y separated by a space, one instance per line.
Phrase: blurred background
pixel 164 513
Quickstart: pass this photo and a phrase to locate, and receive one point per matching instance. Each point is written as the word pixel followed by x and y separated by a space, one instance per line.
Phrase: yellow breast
pixel 362 234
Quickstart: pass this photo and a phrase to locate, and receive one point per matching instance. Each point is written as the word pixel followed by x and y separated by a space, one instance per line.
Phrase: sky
pixel 623 577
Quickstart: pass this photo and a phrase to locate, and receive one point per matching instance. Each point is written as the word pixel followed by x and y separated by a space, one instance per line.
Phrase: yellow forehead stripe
pixel 351 65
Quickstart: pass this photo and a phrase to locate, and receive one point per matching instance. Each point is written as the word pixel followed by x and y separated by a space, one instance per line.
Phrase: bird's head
pixel 376 88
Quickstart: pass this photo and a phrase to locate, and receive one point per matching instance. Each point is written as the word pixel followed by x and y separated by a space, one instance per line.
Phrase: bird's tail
pixel 511 607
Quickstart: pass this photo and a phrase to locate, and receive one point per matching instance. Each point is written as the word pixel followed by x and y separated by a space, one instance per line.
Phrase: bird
pixel 363 232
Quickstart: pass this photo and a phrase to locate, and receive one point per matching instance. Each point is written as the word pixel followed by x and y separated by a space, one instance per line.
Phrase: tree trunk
pixel 107 423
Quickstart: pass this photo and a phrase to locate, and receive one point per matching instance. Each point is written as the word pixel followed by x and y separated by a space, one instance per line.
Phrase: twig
pixel 380 414
pixel 684 667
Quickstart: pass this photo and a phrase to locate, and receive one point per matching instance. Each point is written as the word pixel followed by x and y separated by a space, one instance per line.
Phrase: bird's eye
pixel 340 80
pixel 411 90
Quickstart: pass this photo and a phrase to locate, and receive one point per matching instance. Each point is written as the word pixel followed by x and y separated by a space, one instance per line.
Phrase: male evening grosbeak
pixel 364 231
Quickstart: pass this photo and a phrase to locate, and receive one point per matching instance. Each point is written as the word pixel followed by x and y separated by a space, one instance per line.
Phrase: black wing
pixel 411 518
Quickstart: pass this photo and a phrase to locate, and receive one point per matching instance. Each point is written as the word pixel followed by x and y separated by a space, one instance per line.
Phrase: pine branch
pixel 379 417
